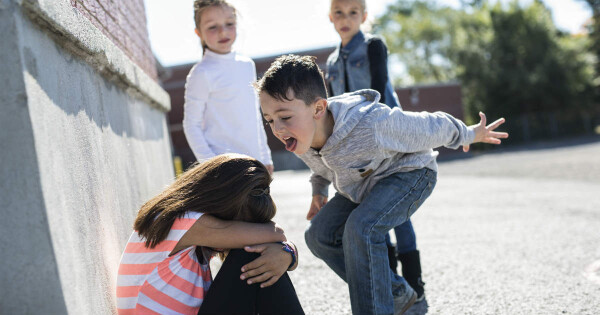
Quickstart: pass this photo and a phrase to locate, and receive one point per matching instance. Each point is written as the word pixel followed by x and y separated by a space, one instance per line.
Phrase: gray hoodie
pixel 371 141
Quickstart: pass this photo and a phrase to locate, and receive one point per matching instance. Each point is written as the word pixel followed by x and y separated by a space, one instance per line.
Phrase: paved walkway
pixel 515 232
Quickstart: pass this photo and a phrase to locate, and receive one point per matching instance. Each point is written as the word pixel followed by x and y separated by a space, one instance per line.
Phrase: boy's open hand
pixel 485 133
pixel 318 201
pixel 269 267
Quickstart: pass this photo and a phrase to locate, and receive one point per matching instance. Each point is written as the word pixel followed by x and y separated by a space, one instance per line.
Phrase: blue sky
pixel 268 27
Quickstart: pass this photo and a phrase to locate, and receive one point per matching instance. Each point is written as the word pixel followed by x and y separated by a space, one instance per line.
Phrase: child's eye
pixel 285 118
pixel 269 121
pixel 230 24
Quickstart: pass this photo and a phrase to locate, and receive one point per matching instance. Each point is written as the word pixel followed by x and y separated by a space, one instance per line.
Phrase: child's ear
pixel 320 108
pixel 330 18
pixel 198 33
pixel 364 17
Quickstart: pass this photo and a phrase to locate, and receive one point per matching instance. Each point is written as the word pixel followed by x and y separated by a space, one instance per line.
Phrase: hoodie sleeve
pixel 410 132
pixel 320 185
pixel 197 91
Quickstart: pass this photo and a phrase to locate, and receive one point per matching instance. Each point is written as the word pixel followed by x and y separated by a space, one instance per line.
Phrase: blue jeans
pixel 406 240
pixel 350 238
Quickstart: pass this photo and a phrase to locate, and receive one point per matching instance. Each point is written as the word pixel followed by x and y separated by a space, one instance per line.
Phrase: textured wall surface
pixel 83 143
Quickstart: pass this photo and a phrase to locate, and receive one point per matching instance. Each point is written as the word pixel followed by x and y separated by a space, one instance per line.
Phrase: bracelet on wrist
pixel 288 247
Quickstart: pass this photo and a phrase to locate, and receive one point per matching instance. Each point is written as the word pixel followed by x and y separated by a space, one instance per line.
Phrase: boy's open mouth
pixel 290 143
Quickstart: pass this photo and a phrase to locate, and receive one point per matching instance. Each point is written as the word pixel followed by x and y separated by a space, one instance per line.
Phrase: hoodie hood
pixel 347 110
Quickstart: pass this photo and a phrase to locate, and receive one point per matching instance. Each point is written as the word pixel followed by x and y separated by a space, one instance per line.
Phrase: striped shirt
pixel 151 282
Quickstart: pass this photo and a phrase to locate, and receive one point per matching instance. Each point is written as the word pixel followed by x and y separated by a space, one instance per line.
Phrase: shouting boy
pixel 381 162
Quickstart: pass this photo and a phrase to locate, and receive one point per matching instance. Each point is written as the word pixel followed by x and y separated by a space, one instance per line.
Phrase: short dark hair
pixel 301 74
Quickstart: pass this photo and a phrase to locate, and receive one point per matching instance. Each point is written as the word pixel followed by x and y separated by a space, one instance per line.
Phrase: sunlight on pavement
pixel 592 272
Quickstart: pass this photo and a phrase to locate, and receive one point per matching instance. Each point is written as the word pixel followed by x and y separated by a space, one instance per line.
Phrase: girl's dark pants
pixel 230 295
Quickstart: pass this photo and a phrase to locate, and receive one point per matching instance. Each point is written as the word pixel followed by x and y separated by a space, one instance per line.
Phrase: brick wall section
pixel 124 22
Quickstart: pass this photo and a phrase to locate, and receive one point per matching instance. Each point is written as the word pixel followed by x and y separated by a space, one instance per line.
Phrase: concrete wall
pixel 83 143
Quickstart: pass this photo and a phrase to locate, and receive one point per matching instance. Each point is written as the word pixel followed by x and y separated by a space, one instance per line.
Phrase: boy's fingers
pixel 312 212
pixel 495 134
pixel 492 140
pixel 496 123
pixel 466 148
pixel 483 119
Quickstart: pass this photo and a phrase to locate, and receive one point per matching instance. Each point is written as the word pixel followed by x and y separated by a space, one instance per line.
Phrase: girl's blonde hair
pixel 201 5
pixel 363 4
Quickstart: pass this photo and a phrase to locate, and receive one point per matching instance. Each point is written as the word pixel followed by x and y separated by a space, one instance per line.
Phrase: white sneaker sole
pixel 410 303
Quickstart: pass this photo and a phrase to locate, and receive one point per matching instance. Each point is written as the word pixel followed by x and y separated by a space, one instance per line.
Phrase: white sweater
pixel 221 112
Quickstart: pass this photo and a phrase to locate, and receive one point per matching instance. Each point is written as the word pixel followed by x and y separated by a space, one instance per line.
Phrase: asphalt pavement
pixel 506 232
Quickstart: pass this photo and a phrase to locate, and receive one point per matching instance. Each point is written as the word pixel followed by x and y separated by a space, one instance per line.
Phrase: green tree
pixel 594 34
pixel 417 34
pixel 510 59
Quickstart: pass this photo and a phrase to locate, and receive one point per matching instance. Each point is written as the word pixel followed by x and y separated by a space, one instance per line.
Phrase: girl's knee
pixel 239 257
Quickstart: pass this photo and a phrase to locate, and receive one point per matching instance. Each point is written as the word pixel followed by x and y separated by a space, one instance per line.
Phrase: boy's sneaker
pixel 403 302
pixel 420 290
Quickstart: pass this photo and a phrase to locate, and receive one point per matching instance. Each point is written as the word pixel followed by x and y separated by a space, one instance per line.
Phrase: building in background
pixel 440 97
pixel 84 142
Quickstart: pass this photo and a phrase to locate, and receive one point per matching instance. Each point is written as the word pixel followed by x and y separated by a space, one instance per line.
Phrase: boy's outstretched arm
pixel 486 134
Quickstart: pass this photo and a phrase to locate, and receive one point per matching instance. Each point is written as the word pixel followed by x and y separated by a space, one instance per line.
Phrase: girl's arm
pixel 197 90
pixel 210 231
pixel 377 53
pixel 265 151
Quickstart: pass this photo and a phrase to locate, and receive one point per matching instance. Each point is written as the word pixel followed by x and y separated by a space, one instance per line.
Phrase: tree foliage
pixel 510 59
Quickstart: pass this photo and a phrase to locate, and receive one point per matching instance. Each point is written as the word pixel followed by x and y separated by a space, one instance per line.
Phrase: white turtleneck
pixel 221 112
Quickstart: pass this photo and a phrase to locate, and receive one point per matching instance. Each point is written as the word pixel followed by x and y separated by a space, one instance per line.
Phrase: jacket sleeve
pixel 197 92
pixel 320 185
pixel 410 132
pixel 377 53
pixel 265 151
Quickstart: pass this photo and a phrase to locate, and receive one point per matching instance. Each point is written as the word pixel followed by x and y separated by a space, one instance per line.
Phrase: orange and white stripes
pixel 151 282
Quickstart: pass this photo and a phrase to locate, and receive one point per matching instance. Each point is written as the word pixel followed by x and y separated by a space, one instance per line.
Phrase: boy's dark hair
pixel 301 74
pixel 228 186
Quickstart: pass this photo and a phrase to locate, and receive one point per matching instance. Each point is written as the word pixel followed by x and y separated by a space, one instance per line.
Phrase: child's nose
pixel 278 127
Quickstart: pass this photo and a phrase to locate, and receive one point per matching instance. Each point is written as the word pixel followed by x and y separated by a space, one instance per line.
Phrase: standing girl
pixel 222 203
pixel 360 62
pixel 221 112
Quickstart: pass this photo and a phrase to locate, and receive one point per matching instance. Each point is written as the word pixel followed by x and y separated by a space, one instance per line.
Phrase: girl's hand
pixel 485 133
pixel 270 168
pixel 269 267
pixel 318 201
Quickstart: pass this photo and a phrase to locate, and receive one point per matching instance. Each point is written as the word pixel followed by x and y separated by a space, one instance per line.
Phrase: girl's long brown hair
pixel 229 186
